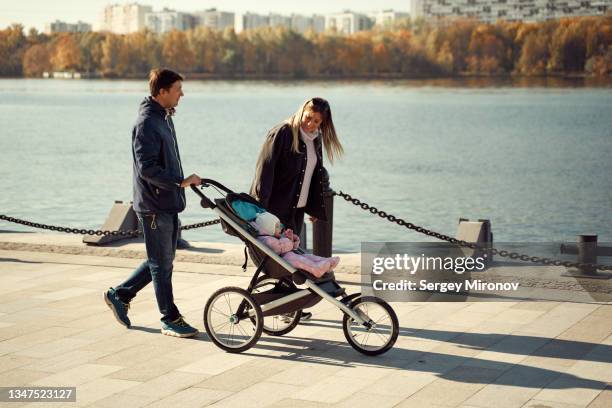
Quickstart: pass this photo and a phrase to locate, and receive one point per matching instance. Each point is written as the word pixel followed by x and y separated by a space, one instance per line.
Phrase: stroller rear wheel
pixel 276 325
pixel 381 332
pixel 233 319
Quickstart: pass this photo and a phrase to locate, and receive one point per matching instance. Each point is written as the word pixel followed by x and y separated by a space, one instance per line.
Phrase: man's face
pixel 169 98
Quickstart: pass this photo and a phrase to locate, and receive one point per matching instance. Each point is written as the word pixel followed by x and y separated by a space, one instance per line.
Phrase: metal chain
pixel 364 206
pixel 492 251
pixel 200 224
pixel 131 233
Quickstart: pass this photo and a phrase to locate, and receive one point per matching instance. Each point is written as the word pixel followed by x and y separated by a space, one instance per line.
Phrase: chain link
pixel 492 251
pixel 200 224
pixel 130 233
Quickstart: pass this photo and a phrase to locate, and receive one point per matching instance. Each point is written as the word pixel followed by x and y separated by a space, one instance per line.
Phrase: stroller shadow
pixel 456 368
pixel 451 367
pixel 502 343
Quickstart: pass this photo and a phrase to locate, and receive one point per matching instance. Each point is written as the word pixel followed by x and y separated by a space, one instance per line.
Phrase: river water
pixel 535 160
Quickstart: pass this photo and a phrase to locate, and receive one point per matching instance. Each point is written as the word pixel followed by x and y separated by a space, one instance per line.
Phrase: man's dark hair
pixel 162 78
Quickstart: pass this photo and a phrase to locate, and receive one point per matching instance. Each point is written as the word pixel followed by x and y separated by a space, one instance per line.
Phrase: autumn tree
pixel 487 50
pixel 176 52
pixel 36 60
pixel 66 54
pixel 12 48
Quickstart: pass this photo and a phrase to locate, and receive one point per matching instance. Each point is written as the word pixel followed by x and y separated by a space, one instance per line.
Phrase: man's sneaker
pixel 178 328
pixel 118 307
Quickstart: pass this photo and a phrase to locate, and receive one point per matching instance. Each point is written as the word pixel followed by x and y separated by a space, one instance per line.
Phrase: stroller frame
pixel 312 287
pixel 314 291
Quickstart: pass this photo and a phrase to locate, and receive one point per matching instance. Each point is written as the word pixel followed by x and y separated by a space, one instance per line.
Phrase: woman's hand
pixel 312 219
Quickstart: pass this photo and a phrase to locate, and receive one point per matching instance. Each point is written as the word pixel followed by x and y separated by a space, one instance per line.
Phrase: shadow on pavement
pixel 455 368
pixel 18 261
pixel 503 343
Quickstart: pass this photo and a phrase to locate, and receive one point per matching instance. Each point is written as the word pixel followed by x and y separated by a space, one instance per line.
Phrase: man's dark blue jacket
pixel 157 164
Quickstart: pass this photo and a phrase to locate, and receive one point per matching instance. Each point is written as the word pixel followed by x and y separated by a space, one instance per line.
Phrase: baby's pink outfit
pixel 285 245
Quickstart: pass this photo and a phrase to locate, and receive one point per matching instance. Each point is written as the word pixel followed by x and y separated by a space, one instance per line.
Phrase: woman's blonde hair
pixel 329 138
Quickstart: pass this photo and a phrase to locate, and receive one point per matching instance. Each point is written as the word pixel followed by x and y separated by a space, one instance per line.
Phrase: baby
pixel 284 242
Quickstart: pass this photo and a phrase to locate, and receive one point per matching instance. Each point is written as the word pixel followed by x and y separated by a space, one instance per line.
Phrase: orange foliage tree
pixel 405 49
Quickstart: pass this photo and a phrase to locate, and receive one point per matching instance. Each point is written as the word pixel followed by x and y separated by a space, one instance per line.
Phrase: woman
pixel 288 177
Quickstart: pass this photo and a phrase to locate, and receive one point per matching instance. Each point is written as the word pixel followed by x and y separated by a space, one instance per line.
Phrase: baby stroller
pixel 234 318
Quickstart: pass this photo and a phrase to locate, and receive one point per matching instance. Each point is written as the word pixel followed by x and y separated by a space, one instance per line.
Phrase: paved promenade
pixel 55 330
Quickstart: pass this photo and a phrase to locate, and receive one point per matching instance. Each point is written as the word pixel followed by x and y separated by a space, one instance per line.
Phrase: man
pixel 158 198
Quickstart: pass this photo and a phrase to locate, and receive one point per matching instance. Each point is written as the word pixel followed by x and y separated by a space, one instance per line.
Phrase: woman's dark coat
pixel 279 185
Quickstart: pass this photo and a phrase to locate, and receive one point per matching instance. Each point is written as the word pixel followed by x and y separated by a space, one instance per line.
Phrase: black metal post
pixel 322 231
pixel 587 252
pixel 304 238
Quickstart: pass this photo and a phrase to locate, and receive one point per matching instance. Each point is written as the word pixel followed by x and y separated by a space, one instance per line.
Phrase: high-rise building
pixel 514 10
pixel 248 21
pixel 62 27
pixel 302 24
pixel 212 18
pixel 347 22
pixel 124 18
pixel 416 8
pixel 387 17
pixel 318 23
pixel 168 20
pixel 278 20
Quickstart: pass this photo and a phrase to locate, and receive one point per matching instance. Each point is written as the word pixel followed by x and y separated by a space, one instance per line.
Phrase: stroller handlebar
pixel 211 182
pixel 206 202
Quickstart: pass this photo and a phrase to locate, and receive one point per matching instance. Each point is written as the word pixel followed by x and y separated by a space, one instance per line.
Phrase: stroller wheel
pixel 382 333
pixel 233 320
pixel 277 325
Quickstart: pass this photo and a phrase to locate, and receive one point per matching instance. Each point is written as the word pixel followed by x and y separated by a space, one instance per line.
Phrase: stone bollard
pixel 322 231
pixel 121 218
pixel 478 232
pixel 587 251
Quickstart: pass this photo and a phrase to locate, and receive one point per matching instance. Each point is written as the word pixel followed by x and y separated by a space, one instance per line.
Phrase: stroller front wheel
pixel 383 328
pixel 233 319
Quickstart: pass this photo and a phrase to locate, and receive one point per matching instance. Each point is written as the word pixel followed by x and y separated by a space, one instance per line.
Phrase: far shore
pixel 465 80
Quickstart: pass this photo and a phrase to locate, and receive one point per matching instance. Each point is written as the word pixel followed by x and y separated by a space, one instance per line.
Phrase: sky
pixel 37 13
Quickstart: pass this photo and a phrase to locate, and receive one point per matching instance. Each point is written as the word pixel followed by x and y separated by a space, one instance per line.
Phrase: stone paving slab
pixel 55 330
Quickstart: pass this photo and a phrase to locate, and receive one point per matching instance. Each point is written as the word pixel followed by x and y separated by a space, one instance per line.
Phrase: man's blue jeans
pixel 160 235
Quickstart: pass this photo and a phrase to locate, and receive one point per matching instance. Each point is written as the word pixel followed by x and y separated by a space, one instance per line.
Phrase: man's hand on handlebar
pixel 193 179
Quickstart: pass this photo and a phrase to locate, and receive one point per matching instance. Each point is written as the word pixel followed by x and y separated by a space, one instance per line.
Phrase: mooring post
pixel 304 238
pixel 587 250
pixel 322 231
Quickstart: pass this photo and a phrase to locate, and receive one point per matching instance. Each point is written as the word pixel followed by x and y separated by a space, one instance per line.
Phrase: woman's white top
pixel 311 163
